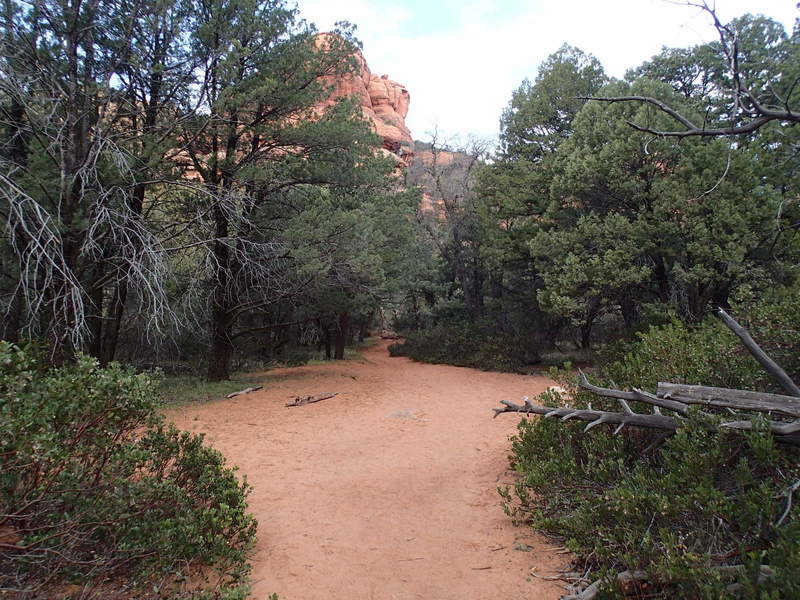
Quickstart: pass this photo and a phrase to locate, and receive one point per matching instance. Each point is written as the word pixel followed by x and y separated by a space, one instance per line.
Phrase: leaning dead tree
pixel 750 109
pixel 781 412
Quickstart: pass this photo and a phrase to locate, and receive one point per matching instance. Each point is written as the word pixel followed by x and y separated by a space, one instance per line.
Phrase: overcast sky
pixel 461 59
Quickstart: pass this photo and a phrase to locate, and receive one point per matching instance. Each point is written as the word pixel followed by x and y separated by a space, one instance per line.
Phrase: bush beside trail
pixel 703 512
pixel 100 498
pixel 466 346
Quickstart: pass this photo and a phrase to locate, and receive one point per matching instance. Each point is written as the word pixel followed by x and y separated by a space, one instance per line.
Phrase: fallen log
pixel 595 417
pixel 303 400
pixel 730 398
pixel 635 396
pixel 785 433
pixel 245 391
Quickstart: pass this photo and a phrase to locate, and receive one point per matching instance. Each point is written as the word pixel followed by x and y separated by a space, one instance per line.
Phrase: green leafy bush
pixel 466 346
pixel 98 496
pixel 709 354
pixel 705 502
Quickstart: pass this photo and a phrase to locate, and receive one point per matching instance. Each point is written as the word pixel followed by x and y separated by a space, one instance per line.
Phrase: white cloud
pixel 461 79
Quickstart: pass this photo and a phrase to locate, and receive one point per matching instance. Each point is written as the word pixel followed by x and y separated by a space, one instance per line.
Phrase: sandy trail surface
pixel 387 491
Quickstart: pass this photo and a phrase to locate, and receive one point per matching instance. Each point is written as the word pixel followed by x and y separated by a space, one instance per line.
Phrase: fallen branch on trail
pixel 303 400
pixel 245 391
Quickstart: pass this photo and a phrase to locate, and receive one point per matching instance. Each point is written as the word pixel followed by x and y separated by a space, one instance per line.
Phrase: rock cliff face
pixel 384 103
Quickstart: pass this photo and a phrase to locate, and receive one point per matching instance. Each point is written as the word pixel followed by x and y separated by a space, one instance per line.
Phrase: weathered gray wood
pixel 784 429
pixel 635 396
pixel 591 592
pixel 728 572
pixel 303 400
pixel 246 391
pixel 785 433
pixel 596 417
pixel 730 398
pixel 769 365
pixel 788 440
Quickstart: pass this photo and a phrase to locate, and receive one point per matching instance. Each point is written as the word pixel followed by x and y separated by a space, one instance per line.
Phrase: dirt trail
pixel 387 491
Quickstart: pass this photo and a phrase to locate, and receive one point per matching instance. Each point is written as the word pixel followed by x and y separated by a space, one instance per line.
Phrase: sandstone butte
pixel 384 103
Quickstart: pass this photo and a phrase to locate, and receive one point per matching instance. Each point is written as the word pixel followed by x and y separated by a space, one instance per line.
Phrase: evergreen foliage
pixel 99 496
pixel 581 230
pixel 703 501
pixel 177 178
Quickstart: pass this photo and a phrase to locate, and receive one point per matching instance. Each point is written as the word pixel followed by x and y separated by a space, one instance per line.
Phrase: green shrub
pixel 708 498
pixel 98 494
pixel 466 346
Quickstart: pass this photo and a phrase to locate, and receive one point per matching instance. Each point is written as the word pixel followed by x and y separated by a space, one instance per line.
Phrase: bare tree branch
pixel 635 396
pixel 769 365
pixel 785 433
pixel 693 130
pixel 595 417
pixel 745 102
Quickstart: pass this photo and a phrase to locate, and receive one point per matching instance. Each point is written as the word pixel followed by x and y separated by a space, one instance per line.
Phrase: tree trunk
pixel 472 300
pixel 586 331
pixel 326 336
pixel 586 328
pixel 586 335
pixel 415 307
pixel 95 308
pixel 219 364
pixel 341 335
pixel 115 313
pixel 628 308
pixel 10 330
pixel 363 331
pixel 662 279
pixel 116 310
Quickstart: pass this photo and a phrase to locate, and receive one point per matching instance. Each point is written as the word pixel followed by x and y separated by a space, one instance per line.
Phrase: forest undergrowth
pixel 709 513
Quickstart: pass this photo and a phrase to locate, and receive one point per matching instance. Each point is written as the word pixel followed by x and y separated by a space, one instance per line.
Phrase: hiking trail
pixel 387 490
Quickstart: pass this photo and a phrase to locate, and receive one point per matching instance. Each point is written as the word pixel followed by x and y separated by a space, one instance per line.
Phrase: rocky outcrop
pixel 384 103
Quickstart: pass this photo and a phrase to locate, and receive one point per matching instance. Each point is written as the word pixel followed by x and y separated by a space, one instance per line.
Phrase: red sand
pixel 387 491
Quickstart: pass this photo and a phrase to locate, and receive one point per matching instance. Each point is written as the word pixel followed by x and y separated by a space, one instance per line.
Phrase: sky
pixel 461 59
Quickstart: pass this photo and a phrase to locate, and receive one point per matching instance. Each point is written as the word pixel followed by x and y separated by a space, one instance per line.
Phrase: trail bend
pixel 387 491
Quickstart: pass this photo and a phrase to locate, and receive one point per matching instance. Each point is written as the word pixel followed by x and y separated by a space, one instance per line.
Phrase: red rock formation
pixel 384 103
